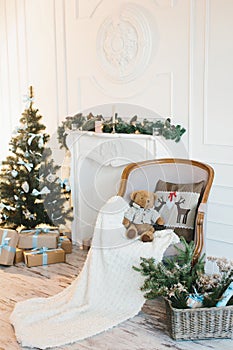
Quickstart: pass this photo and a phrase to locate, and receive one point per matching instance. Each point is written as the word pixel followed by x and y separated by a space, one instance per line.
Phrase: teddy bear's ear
pixel 155 196
pixel 133 195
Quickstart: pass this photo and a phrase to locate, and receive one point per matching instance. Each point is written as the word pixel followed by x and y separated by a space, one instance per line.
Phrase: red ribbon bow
pixel 171 195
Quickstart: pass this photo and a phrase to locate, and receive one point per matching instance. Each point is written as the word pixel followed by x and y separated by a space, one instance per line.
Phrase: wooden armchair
pixel 145 175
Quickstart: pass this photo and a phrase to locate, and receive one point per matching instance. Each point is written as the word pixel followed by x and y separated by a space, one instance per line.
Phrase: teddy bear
pixel 141 216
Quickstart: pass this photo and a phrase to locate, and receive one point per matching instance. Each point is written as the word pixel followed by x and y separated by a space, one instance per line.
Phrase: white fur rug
pixel 106 293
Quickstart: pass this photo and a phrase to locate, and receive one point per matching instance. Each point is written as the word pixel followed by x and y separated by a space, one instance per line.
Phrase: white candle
pixel 113 115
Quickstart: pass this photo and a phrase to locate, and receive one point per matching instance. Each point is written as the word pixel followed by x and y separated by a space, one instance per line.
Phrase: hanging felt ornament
pixel 14 173
pixel 25 186
pixel 51 178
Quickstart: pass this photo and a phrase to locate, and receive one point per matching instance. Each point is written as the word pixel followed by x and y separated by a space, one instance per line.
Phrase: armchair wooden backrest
pixel 145 175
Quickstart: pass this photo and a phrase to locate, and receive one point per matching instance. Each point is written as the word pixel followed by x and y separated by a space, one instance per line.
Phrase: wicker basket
pixel 200 323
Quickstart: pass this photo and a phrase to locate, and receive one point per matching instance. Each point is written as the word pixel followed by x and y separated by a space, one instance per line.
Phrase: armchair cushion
pixel 177 204
pixel 190 187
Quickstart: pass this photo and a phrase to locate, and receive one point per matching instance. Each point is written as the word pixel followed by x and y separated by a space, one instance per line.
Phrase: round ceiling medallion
pixel 124 44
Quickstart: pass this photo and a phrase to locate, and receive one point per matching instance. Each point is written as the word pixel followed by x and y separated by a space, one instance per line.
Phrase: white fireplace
pixel 97 161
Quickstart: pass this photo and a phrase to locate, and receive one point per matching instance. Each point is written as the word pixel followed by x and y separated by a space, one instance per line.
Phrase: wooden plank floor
pixel 146 331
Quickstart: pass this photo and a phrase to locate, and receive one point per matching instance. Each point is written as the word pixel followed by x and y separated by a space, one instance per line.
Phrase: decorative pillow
pixel 177 204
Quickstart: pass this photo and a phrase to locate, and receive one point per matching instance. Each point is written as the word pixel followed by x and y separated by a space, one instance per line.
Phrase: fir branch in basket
pixel 87 123
pixel 177 279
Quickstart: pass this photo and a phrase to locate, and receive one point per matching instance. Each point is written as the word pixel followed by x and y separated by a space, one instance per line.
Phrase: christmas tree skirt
pixel 106 293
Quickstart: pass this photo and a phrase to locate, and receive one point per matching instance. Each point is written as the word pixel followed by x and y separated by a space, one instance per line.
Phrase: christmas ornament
pixel 14 173
pixel 25 186
pixel 51 178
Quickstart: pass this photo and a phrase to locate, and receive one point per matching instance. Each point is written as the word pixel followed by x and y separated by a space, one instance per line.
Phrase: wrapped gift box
pixel 65 244
pixel 66 233
pixel 43 256
pixel 8 243
pixel 18 256
pixel 38 238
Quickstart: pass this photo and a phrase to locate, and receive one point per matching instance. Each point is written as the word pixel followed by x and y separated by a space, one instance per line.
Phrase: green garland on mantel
pixel 133 126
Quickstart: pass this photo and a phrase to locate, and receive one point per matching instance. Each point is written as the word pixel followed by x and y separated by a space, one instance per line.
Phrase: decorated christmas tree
pixel 30 189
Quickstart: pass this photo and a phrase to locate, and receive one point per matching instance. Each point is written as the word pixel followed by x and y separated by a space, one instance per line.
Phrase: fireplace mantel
pixel 97 161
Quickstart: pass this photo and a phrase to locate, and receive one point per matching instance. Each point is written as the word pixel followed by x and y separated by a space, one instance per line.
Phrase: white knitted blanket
pixel 106 293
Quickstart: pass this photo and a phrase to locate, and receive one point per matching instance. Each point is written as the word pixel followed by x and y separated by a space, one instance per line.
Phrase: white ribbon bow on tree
pixel 28 166
pixel 7 207
pixel 45 190
pixel 40 141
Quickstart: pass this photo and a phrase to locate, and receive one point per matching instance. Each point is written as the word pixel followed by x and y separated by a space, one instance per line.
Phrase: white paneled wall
pixel 211 116
pixel 171 56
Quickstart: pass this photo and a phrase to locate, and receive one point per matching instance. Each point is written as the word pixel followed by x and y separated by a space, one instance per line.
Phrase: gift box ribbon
pixel 5 243
pixel 195 298
pixel 37 231
pixel 43 251
pixel 61 240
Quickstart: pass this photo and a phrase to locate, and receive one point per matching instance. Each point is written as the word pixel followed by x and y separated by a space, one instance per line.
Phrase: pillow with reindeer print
pixel 177 205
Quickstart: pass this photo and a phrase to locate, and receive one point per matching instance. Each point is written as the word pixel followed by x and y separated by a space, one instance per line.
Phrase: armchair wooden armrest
pixel 199 231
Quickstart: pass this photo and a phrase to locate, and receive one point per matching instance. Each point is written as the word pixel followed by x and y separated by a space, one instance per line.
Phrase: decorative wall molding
pixel 206 116
pixel 124 44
